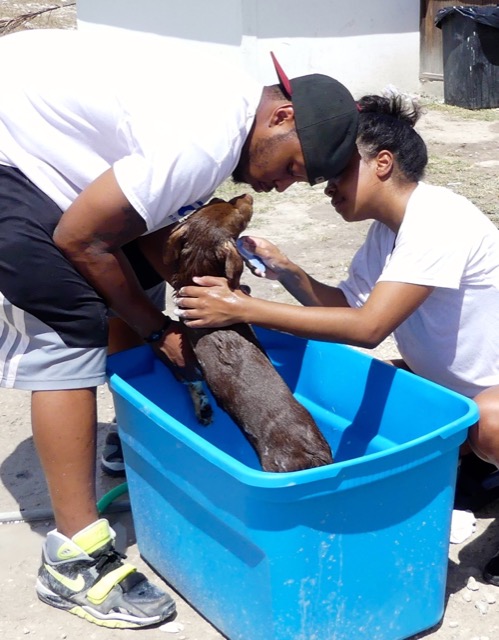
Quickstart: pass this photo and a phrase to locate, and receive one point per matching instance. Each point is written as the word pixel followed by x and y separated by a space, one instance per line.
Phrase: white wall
pixel 366 44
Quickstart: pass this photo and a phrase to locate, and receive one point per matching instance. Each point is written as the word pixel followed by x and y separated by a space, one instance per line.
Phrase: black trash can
pixel 470 37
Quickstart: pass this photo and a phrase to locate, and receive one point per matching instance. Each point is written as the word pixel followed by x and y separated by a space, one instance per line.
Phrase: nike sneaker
pixel 86 576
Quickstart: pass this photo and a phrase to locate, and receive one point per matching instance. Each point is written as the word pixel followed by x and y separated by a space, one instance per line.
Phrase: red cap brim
pixel 283 78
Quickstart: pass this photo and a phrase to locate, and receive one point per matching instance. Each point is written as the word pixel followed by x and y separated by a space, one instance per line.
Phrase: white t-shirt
pixel 171 122
pixel 447 243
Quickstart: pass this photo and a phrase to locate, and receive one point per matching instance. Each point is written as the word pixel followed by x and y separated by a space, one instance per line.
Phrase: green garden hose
pixel 111 496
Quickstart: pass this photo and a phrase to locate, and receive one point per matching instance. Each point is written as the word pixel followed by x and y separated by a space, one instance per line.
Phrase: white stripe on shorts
pixel 33 356
pixel 14 345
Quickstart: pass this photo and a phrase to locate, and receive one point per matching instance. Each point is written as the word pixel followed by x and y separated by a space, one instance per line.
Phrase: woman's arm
pixel 214 305
pixel 294 279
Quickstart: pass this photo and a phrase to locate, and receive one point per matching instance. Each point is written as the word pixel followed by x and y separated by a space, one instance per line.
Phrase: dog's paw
pixel 202 406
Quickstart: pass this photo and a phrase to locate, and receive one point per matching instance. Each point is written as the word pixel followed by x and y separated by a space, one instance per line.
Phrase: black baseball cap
pixel 326 117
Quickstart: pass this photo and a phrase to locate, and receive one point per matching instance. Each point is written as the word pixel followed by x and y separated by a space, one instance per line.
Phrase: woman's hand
pixel 212 304
pixel 276 263
pixel 174 350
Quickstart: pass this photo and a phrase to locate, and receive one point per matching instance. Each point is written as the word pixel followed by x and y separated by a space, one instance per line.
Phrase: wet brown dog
pixel 236 368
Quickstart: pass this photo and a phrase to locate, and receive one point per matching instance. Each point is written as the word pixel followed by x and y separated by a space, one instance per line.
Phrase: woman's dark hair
pixel 388 123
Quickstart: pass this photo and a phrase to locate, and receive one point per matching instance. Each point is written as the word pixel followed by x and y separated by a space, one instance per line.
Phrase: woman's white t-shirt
pixel 444 242
pixel 169 121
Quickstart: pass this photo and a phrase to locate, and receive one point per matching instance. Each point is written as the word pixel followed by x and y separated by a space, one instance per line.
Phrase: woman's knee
pixel 484 435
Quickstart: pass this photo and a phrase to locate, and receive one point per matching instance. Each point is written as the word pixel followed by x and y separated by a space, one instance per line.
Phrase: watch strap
pixel 157 335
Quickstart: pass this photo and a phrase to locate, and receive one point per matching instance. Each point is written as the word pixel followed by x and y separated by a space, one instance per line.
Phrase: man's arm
pixel 91 233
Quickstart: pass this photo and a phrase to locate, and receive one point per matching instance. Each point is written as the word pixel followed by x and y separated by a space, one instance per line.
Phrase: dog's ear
pixel 244 206
pixel 234 264
pixel 173 247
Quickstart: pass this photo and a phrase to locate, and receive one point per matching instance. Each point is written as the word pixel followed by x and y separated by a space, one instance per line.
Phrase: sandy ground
pixel 464 155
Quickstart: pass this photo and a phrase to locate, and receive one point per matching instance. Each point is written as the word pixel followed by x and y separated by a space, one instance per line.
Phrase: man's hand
pixel 174 350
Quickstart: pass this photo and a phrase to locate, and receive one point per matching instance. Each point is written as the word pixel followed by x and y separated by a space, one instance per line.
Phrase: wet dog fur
pixel 236 368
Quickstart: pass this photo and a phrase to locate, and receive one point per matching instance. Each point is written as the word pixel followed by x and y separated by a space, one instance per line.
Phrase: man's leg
pixel 54 335
pixel 81 571
pixel 64 426
pixel 122 337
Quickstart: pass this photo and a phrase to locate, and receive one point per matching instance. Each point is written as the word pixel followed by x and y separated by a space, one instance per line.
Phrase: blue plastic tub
pixel 356 550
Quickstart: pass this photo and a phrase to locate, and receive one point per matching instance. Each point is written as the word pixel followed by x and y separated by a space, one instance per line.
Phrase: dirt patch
pixel 15 16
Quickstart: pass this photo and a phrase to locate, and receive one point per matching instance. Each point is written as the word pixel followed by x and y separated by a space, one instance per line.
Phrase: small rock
pixel 472 584
pixel 453 624
pixel 171 627
pixel 489 598
pixel 467 596
pixel 483 607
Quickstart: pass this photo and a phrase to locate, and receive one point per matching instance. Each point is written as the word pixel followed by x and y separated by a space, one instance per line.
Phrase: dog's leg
pixel 202 406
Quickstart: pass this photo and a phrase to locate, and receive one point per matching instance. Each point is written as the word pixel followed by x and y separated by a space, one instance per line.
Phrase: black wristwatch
pixel 157 335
